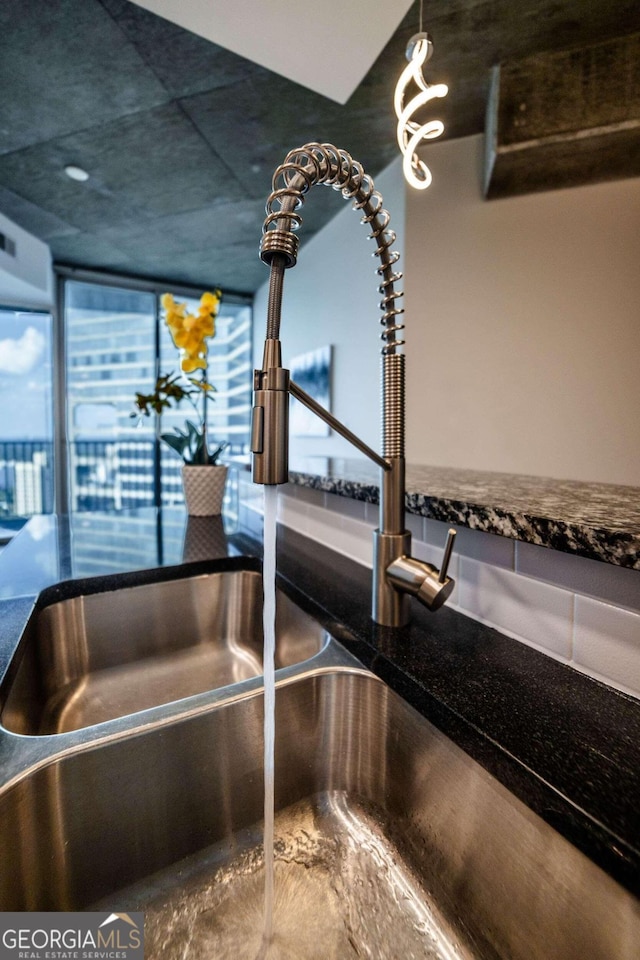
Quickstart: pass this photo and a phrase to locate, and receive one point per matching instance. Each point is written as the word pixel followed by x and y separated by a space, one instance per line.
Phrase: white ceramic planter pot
pixel 203 489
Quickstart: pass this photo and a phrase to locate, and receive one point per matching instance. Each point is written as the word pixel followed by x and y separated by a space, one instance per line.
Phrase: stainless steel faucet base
pixel 390 606
pixel 270 424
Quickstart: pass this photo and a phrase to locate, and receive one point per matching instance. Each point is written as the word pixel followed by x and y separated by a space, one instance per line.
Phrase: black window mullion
pixel 157 465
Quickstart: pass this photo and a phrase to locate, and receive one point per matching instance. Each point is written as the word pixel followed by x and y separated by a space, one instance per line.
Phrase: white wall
pixel 26 280
pixel 524 325
pixel 331 297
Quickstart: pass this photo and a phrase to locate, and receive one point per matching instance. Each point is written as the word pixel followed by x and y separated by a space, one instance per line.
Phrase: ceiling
pixel 181 135
pixel 262 33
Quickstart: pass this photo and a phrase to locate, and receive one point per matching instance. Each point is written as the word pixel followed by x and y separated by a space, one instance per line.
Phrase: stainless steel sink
pixel 93 658
pixel 391 842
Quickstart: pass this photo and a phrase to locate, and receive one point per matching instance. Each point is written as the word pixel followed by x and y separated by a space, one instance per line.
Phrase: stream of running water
pixel 269 618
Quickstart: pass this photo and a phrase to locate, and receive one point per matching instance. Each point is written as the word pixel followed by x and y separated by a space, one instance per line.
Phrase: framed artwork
pixel 312 372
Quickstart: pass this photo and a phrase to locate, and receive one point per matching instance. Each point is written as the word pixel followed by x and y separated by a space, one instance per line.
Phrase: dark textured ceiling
pixel 181 136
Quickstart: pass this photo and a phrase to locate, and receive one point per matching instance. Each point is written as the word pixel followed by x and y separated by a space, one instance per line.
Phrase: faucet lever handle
pixel 448 550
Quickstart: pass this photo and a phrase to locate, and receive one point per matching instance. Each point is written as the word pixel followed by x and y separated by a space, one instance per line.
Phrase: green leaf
pixel 177 443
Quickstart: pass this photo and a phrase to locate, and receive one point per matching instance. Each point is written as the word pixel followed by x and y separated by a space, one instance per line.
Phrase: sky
pixel 25 376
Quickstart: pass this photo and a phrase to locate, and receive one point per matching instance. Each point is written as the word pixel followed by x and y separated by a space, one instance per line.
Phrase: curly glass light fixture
pixel 410 132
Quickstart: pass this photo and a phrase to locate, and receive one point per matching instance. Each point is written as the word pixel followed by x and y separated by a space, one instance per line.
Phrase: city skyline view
pixel 114 344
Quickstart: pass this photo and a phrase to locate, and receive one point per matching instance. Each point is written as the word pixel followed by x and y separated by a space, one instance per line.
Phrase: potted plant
pixel 203 477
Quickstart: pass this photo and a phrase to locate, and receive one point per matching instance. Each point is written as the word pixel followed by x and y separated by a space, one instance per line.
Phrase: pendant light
pixel 411 133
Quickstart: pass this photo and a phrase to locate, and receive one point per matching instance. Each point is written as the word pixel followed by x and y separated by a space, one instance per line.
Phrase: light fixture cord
pixel 421 1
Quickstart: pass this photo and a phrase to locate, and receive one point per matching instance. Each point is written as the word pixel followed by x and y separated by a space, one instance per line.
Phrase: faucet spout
pixel 270 421
pixel 395 572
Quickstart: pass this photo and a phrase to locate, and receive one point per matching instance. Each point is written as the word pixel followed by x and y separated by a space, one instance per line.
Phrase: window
pixel 115 343
pixel 111 460
pixel 26 400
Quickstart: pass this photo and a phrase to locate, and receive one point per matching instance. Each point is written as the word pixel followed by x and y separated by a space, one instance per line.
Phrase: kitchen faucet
pixel 396 575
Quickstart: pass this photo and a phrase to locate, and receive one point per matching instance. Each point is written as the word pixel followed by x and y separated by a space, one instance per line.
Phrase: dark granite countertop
pixel 565 744
pixel 595 520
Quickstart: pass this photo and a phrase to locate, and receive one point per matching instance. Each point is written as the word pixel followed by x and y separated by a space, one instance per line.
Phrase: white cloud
pixel 21 356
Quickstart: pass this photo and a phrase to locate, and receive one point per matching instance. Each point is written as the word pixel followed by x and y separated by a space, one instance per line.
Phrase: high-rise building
pixel 113 338
pixel 115 346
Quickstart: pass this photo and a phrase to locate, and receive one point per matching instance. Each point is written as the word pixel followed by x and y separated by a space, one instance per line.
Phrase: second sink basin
pixel 96 657
pixel 390 841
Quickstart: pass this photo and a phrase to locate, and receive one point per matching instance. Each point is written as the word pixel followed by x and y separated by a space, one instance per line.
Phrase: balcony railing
pixel 104 475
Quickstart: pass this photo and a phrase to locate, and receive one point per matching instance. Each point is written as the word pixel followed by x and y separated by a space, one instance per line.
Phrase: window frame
pixel 64 274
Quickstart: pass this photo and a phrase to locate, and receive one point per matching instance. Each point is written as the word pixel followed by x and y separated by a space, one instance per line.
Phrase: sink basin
pixel 390 841
pixel 93 658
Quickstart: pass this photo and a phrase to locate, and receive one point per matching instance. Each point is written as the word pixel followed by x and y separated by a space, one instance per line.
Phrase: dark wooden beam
pixel 564 118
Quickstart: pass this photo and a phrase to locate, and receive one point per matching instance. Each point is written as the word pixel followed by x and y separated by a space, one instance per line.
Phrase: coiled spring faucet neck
pixel 302 169
pixel 323 163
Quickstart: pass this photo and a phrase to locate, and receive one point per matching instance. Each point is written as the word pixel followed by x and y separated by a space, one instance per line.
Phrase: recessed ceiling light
pixel 76 173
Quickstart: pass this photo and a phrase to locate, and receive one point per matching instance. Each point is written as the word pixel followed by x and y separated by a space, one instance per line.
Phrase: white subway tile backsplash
pixel 415 525
pixel 487 547
pixel 372 514
pixel 351 537
pixel 476 544
pixel 308 494
pixel 553 601
pixel 435 532
pixel 346 506
pixel 536 612
pixel 293 513
pixel 603 581
pixel 607 642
